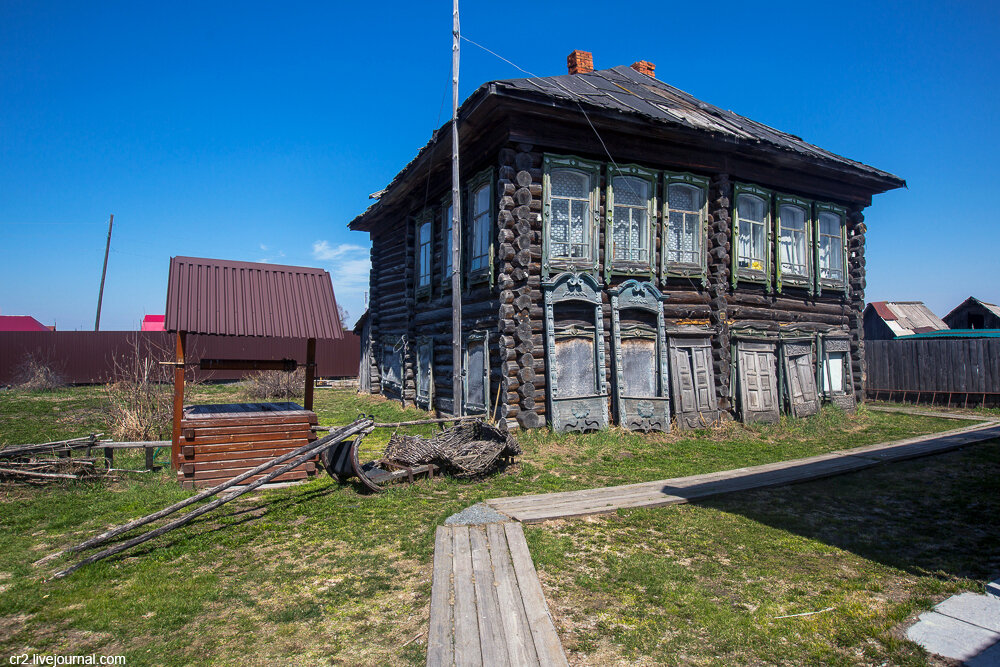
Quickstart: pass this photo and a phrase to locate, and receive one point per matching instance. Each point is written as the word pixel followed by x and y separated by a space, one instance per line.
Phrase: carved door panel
pixel 693 382
pixel 758 382
pixel 801 374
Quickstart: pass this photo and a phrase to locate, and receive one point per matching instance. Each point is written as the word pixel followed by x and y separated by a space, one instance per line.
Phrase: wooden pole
pixel 104 272
pixel 310 372
pixel 456 227
pixel 175 440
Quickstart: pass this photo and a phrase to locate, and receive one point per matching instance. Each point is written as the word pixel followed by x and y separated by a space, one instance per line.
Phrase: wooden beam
pixel 310 372
pixel 175 451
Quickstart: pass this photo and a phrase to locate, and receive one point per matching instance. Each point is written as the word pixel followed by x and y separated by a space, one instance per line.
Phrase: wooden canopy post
pixel 310 372
pixel 175 450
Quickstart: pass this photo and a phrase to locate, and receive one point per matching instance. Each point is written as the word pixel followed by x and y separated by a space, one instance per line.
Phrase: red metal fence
pixel 83 357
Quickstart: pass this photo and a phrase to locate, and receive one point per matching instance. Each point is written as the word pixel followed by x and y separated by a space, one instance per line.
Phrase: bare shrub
pixel 269 385
pixel 139 402
pixel 35 374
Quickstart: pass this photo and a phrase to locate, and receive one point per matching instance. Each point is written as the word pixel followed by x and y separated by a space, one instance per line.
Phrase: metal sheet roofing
pixel 906 318
pixel 958 333
pixel 21 323
pixel 214 296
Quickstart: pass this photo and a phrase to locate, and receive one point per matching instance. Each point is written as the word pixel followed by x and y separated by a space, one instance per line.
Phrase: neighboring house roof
pixel 627 95
pixel 905 318
pixel 22 323
pixel 992 307
pixel 359 326
pixel 214 296
pixel 154 323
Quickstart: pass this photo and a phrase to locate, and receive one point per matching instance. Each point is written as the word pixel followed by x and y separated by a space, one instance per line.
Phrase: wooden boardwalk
pixel 487 606
pixel 542 507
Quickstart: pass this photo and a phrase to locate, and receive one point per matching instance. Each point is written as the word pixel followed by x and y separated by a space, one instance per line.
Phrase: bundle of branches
pixel 469 449
pixel 49 460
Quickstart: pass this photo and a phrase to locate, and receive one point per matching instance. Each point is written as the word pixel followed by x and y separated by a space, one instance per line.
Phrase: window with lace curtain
pixel 569 214
pixel 684 215
pixel 830 244
pixel 630 220
pixel 751 222
pixel 794 242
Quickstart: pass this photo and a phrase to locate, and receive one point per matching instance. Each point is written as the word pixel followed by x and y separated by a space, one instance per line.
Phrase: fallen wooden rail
pixel 415 422
pixel 303 453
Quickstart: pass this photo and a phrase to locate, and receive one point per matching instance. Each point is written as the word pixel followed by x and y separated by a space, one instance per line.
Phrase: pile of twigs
pixel 50 461
pixel 469 449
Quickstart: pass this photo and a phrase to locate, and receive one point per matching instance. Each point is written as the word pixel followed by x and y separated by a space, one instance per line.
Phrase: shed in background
pixel 886 320
pixel 974 314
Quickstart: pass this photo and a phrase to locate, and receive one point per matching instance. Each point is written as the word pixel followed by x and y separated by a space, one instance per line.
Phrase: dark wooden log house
pixel 631 255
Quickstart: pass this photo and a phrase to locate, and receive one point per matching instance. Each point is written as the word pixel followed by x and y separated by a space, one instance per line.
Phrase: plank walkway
pixel 542 507
pixel 487 606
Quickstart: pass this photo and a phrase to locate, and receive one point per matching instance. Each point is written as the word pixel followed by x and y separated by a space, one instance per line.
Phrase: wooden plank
pixel 198 451
pixel 234 467
pixel 520 646
pixel 301 434
pixel 257 428
pixel 491 629
pixel 543 633
pixel 239 456
pixel 237 420
pixel 439 634
pixel 467 647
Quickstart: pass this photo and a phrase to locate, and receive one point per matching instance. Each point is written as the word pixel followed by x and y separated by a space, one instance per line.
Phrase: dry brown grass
pixel 138 401
pixel 35 374
pixel 270 385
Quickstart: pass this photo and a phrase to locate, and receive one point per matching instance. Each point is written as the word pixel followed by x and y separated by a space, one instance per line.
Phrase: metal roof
pixel 905 318
pixel 215 296
pixel 957 333
pixel 21 323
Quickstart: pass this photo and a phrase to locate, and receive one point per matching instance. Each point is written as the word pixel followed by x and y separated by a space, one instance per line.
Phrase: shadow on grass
pixel 933 516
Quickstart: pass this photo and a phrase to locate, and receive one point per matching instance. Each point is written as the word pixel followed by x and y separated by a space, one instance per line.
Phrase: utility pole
pixel 456 228
pixel 104 272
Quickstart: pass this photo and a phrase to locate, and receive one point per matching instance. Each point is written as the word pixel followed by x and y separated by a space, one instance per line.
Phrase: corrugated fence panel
pixel 83 357
pixel 949 366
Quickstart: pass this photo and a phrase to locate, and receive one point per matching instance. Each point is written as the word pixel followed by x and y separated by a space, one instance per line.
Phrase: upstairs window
pixel 424 248
pixel 446 245
pixel 630 219
pixel 569 220
pixel 830 245
pixel 479 256
pixel 570 230
pixel 685 205
pixel 750 225
pixel 793 240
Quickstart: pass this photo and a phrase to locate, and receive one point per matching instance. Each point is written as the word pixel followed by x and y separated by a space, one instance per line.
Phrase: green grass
pixel 320 574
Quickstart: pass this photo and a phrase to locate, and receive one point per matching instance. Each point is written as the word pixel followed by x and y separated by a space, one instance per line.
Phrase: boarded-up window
pixel 392 363
pixel 693 382
pixel 425 355
pixel 574 366
pixel 800 371
pixel 758 381
pixel 640 368
pixel 477 372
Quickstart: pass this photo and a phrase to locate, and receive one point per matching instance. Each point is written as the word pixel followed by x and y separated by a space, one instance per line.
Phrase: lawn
pixel 318 574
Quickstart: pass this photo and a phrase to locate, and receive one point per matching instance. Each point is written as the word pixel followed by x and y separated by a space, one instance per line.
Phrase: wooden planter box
pixel 221 441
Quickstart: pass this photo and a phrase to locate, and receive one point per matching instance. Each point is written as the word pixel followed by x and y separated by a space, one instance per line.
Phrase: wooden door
pixel 695 403
pixel 758 382
pixel 800 369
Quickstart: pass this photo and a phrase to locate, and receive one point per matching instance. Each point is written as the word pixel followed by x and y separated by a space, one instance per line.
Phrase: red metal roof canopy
pixel 215 296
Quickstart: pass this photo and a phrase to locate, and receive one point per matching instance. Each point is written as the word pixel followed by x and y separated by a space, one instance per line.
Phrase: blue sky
pixel 256 131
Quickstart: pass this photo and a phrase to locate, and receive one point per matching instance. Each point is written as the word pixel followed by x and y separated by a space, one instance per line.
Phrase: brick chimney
pixel 646 67
pixel 580 62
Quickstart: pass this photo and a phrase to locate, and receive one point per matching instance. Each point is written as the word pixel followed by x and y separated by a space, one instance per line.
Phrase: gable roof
pixel 631 94
pixel 992 307
pixel 905 318
pixel 22 323
pixel 215 296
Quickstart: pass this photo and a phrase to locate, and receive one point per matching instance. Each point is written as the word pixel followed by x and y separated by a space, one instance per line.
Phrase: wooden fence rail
pixel 951 371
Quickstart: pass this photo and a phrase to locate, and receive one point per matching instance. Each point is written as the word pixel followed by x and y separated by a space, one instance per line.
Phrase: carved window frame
pixel 581 287
pixel 763 276
pixel 476 337
pixel 426 217
pixel 476 183
pixel 593 170
pixel 422 342
pixel 684 269
pixel 840 344
pixel 835 285
pixel 639 296
pixel 627 267
pixel 780 277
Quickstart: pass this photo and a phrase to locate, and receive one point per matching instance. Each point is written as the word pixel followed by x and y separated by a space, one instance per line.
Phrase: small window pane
pixel 568 183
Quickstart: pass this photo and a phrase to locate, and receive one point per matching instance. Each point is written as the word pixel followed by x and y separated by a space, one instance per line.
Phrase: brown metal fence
pixel 84 357
pixel 948 371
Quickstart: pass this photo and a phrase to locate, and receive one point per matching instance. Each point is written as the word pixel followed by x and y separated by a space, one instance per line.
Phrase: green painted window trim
pixel 484 274
pixel 593 168
pixel 647 268
pixel 764 277
pixel 423 292
pixel 443 209
pixel 836 285
pixel 808 280
pixel 669 269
